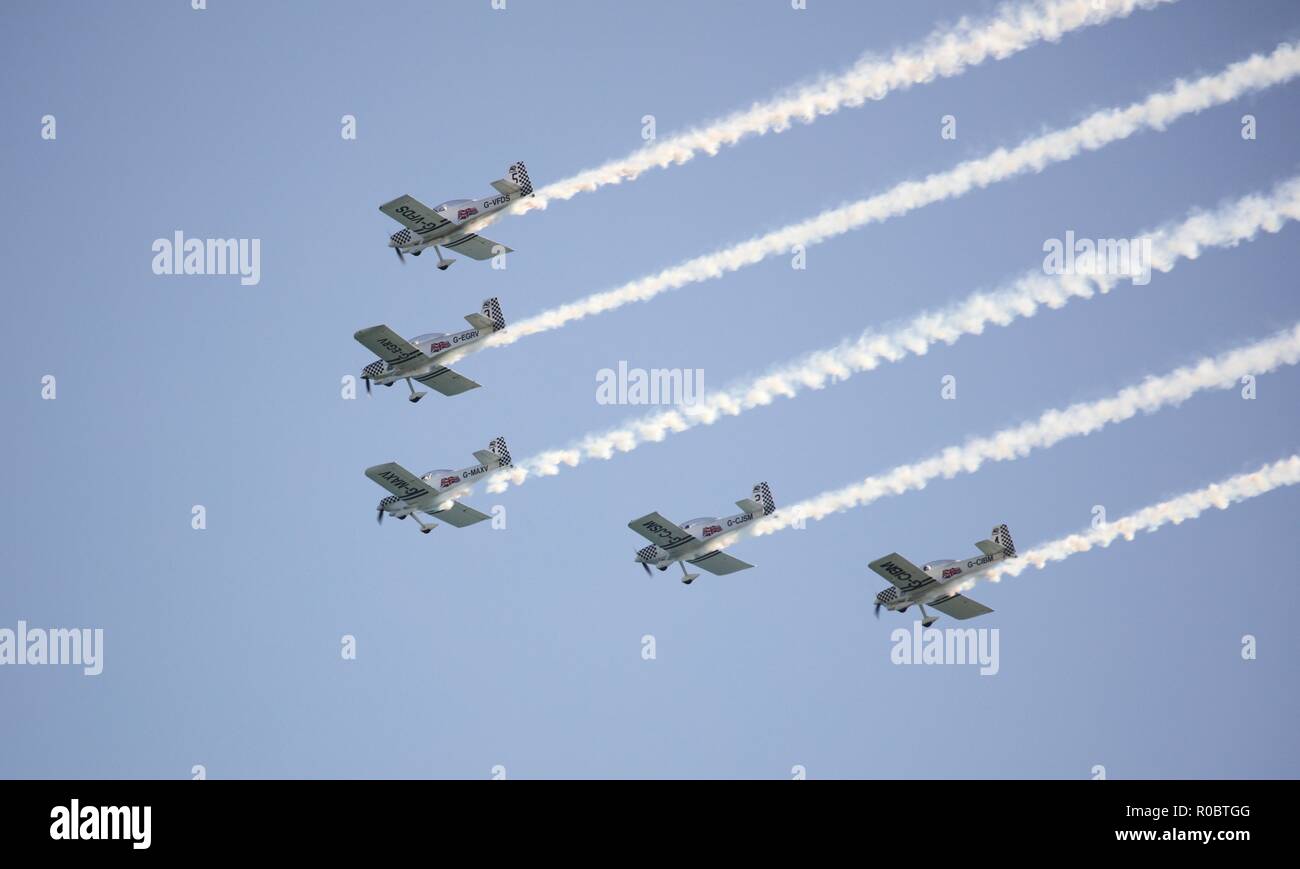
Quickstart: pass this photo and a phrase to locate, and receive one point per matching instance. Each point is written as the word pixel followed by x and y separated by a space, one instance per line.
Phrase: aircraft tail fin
pixel 516 184
pixel 492 310
pixel 1001 544
pixel 498 449
pixel 491 320
pixel 1002 537
pixel 763 495
pixel 518 174
pixel 495 456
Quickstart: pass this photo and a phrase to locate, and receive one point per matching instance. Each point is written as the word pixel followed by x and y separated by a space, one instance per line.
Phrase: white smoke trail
pixel 1095 131
pixel 1227 226
pixel 1152 394
pixel 1221 496
pixel 945 53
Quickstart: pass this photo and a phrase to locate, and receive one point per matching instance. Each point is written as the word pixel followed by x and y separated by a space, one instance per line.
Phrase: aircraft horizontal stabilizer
pixel 505 187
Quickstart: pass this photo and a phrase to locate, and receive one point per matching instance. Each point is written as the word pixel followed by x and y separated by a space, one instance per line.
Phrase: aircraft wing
pixel 719 563
pixel 901 572
pixel 402 483
pixel 387 345
pixel 447 382
pixel 413 214
pixel 477 247
pixel 460 515
pixel 960 607
pixel 661 532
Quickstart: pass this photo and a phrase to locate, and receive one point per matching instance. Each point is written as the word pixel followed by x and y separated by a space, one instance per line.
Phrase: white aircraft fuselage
pixel 433 345
pixel 437 493
pixel 940 579
pixel 453 224
pixel 461 216
pixel 699 541
pixel 671 548
pixel 449 484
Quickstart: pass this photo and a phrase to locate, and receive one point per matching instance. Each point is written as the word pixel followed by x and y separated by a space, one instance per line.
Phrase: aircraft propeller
pixel 647 569
pixel 401 256
pixel 380 518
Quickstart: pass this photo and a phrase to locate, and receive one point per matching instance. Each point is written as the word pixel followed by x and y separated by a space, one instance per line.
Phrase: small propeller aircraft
pixel 936 582
pixel 435 494
pixel 417 359
pixel 448 225
pixel 690 542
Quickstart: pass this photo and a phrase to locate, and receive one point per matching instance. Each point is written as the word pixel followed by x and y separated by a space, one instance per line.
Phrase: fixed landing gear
pixel 443 262
pixel 414 396
pixel 927 619
pixel 687 578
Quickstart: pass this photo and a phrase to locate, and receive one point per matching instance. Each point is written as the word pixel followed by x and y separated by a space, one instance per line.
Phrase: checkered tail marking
pixel 498 449
pixel 519 176
pixel 1002 537
pixel 492 310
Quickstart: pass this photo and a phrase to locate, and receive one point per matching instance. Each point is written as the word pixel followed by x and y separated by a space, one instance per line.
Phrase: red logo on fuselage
pixel 951 572
pixel 448 481
pixel 712 529
pixel 439 345
pixel 466 212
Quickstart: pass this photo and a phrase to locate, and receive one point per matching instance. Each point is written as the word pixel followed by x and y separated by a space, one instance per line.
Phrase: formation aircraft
pixel 691 542
pixel 417 359
pixel 935 583
pixel 449 224
pixel 437 493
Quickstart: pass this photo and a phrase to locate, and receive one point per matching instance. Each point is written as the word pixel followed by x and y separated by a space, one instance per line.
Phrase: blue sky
pixel 522 647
